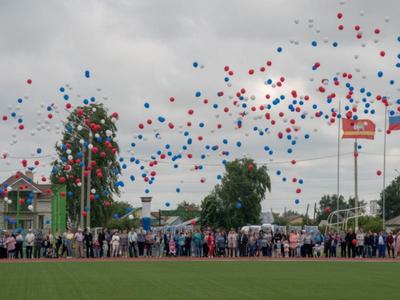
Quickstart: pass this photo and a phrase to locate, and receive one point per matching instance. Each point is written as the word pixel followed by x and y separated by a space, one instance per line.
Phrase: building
pixel 24 203
pixel 393 223
pixel 294 220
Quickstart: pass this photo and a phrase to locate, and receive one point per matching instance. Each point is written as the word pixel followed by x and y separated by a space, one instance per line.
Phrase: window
pixel 41 222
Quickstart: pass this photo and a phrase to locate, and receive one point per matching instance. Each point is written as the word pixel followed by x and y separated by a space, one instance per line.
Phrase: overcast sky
pixel 142 52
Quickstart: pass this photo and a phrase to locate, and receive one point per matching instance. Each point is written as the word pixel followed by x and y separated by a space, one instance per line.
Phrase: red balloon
pixel 84 214
pixel 29 81
pixel 379 172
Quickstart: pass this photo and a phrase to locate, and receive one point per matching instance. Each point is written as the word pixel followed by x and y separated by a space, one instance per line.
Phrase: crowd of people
pixel 207 243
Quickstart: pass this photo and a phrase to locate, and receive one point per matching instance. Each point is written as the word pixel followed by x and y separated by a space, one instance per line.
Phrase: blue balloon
pixel 146 105
pixel 195 64
pixel 87 74
pixel 167 204
pixel 297 201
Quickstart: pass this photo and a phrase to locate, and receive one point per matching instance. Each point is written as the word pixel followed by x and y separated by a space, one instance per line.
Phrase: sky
pixel 141 52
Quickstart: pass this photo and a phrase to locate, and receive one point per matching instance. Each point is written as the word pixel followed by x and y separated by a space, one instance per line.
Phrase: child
pixel 96 245
pixel 286 248
pixel 172 250
pixel 105 248
pixel 278 248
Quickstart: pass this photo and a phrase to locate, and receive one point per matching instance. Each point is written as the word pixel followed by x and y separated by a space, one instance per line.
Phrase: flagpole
pixel 338 171
pixel 384 171
pixel 356 184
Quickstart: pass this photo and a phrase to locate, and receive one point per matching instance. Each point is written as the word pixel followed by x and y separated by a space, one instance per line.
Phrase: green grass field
pixel 199 280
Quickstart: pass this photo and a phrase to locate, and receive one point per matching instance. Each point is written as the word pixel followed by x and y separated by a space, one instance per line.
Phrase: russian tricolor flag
pixel 394 122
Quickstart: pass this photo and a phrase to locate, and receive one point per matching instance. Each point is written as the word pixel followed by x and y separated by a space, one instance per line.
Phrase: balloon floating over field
pixel 257 108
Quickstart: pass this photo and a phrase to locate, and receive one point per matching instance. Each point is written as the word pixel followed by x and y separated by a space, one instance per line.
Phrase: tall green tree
pixel 392 199
pixel 73 151
pixel 237 200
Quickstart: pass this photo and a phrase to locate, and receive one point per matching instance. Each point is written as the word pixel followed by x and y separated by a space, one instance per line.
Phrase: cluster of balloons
pixel 266 111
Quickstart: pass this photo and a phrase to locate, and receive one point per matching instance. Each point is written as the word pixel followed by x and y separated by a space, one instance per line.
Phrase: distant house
pixel 24 203
pixel 393 223
pixel 267 217
pixel 294 220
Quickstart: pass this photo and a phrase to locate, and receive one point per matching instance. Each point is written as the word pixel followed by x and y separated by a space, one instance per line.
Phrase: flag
pixel 358 129
pixel 394 122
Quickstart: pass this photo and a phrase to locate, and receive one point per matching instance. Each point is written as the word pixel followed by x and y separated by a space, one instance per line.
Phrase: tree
pixel 72 159
pixel 392 199
pixel 185 210
pixel 237 200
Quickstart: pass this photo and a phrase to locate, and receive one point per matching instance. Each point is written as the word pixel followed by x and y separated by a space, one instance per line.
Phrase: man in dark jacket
pixel 243 240
pixel 88 243
pixel 351 248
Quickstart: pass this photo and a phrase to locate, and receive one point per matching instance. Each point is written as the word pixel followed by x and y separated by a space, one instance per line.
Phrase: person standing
pixel 293 243
pixel 243 240
pixel 10 242
pixel 58 244
pixel 101 238
pixel 132 239
pixel 390 245
pixel 197 243
pixel 88 237
pixel 79 238
pixel 360 243
pixel 124 244
pixel 232 243
pixel 210 244
pixel 342 242
pixel 351 249
pixel 205 243
pixel 398 244
pixel 38 244
pixel 381 245
pixel 115 244
pixel 140 240
pixel 19 239
pixel 3 245
pixel 29 243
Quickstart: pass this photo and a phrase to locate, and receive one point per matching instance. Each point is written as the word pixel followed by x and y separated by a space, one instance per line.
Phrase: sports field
pixel 200 280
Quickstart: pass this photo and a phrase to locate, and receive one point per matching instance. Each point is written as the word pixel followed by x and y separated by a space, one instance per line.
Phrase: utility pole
pixel 89 177
pixel 82 220
pixel 356 184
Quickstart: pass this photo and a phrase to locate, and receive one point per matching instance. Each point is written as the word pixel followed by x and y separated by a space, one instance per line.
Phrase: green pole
pixel 63 209
pixel 18 208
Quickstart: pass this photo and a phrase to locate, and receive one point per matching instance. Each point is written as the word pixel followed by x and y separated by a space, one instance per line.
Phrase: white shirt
pixel 132 237
pixel 29 239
